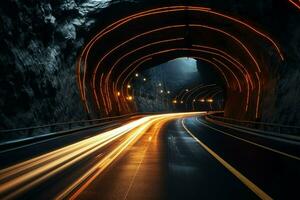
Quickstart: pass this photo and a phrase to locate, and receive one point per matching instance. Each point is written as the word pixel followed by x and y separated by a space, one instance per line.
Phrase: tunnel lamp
pixel 210 100
pixel 161 91
pixel 129 98
pixel 144 79
pixel 128 86
pixel 118 94
pixel 202 100
pixel 168 92
pixel 175 101
pixel 181 102
pixel 136 75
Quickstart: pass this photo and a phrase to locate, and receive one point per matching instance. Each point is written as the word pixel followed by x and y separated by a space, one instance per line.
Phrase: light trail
pixel 135 50
pixel 214 64
pixel 106 30
pixel 114 89
pixel 258 96
pixel 187 92
pixel 207 90
pixel 20 178
pixel 232 37
pixel 236 64
pixel 247 97
pixel 295 3
pixel 128 75
pixel 117 24
pixel 234 75
pixel 217 67
pixel 175 49
pixel 197 26
pixel 126 42
pixel 193 91
pixel 149 56
pixel 97 169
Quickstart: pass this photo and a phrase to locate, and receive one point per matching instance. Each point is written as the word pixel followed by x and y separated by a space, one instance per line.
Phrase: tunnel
pixel 89 52
pixel 149 99
pixel 239 52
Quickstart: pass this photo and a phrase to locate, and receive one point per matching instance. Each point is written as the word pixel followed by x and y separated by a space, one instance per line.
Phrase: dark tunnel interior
pixel 236 45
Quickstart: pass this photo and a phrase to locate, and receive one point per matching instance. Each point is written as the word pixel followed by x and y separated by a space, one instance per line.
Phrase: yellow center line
pixel 259 192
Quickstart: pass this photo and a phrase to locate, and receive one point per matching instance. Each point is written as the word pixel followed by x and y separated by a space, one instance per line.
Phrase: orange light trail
pixel 295 3
pixel 103 99
pixel 258 95
pixel 197 89
pixel 135 50
pixel 200 93
pixel 216 66
pixel 202 26
pixel 179 94
pixel 175 49
pixel 139 64
pixel 232 58
pixel 247 81
pixel 147 56
pixel 187 49
pixel 194 25
pixel 192 91
pixel 117 24
pixel 234 38
pixel 237 80
pixel 127 41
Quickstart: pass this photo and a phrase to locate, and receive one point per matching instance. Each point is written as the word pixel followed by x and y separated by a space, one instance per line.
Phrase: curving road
pixel 167 156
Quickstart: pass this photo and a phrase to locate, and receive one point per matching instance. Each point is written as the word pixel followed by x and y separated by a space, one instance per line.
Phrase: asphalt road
pixel 175 166
pixel 162 157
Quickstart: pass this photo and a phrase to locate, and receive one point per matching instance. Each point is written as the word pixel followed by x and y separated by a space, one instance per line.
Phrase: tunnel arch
pixel 100 66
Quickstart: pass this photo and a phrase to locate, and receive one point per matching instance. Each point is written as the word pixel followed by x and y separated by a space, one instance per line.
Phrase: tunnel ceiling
pixel 234 47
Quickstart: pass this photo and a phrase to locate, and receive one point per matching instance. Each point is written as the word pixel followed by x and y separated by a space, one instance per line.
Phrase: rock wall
pixel 40 40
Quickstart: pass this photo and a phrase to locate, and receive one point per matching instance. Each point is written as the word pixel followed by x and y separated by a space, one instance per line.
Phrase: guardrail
pixel 267 127
pixel 20 133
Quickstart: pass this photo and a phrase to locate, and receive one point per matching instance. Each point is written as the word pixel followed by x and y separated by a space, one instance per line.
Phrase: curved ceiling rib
pixel 177 49
pixel 117 24
pixel 190 49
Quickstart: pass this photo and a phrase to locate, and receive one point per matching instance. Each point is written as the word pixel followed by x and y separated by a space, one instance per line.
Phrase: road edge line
pixel 250 142
pixel 254 188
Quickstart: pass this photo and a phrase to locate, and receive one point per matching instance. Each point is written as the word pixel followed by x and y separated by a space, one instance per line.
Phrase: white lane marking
pixel 250 142
pixel 259 192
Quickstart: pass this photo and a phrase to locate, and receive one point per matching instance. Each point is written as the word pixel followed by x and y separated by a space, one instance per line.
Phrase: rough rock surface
pixel 40 40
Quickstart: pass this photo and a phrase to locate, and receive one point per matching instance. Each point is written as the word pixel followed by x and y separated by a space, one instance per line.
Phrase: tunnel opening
pixel 175 86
